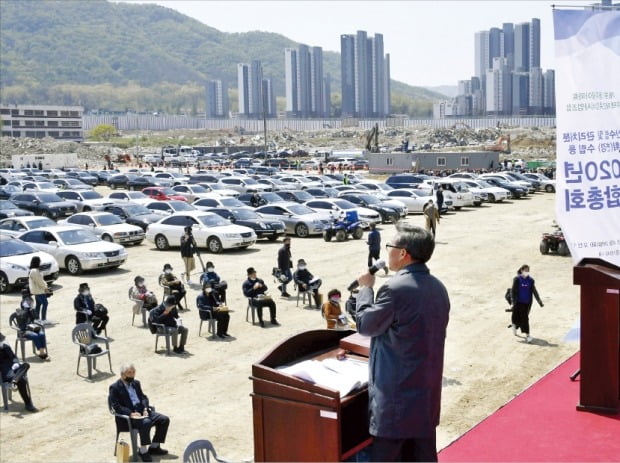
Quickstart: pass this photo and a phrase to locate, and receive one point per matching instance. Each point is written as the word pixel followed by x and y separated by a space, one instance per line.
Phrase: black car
pixel 264 170
pixel 276 162
pixel 264 228
pixel 134 214
pixel 131 182
pixel 516 191
pixel 9 209
pixel 265 198
pixel 85 177
pixel 46 204
pixel 102 176
pixel 297 196
pixel 322 192
pixel 388 212
pixel 204 178
pixel 404 181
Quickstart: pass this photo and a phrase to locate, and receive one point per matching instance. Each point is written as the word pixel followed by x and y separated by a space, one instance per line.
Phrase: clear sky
pixel 430 42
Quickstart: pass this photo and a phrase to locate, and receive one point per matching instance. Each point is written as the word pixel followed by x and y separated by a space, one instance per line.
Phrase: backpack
pixel 508 296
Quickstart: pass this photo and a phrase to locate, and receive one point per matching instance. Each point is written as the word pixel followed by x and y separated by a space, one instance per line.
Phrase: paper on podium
pixel 343 376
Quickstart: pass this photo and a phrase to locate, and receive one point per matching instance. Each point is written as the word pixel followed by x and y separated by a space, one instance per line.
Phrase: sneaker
pixel 31 408
pixel 529 339
pixel 146 456
pixel 157 451
pixel 275 322
pixel 261 323
pixel 179 350
pixel 286 294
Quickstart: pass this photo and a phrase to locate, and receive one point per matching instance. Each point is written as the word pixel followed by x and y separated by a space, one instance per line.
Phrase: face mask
pixel 302 267
pixel 210 269
pixel 252 278
pixel 168 272
pixel 85 293
pixel 335 300
pixel 525 274
pixel 208 290
pixel 129 379
pixel 141 284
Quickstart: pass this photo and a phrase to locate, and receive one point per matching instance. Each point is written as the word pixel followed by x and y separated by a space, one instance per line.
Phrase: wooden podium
pixel 295 420
pixel 600 335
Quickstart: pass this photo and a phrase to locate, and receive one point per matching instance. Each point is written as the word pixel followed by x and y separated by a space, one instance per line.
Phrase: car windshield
pixel 303 179
pixel 199 189
pixel 370 199
pixel 272 197
pixel 49 198
pixel 136 195
pixel 181 206
pixel 250 181
pixel 4 205
pixel 108 219
pixel 137 210
pixel 46 185
pixel 175 174
pixel 303 196
pixel 217 186
pixel 213 220
pixel 11 188
pixel 15 247
pixel 231 202
pixel 90 194
pixel 168 191
pixel 74 181
pixel 344 204
pixel 70 237
pixel 300 209
pixel 245 214
pixel 40 222
pixel 483 184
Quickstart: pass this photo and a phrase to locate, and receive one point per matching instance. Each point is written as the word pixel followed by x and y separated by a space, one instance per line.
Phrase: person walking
pixel 285 263
pixel 374 246
pixel 431 214
pixel 38 288
pixel 407 321
pixel 188 249
pixel 439 199
pixel 523 288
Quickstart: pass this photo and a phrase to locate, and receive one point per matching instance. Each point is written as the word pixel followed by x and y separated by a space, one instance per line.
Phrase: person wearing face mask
pixel 209 303
pixel 407 322
pixel 305 281
pixel 175 287
pixel 38 287
pixel 27 326
pixel 14 372
pixel 86 310
pixel 188 249
pixel 126 398
pixel 167 314
pixel 332 313
pixel 285 263
pixel 255 288
pixel 523 288
pixel 219 286
pixel 139 291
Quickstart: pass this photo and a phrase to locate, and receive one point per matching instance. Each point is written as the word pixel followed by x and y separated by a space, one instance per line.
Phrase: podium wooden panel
pixel 295 420
pixel 599 389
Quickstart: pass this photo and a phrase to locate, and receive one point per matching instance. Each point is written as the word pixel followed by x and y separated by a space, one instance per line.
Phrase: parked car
pixel 174 177
pixel 76 249
pixel 45 204
pixel 390 211
pixel 71 184
pixel 134 214
pixel 415 199
pixel 298 219
pixel 517 177
pixel 132 196
pixel 264 228
pixel 493 193
pixel 209 230
pixel 208 203
pixel 243 184
pixel 339 207
pixel 108 226
pixel 265 198
pixel 516 191
pixel 27 185
pixel 130 182
pixel 15 257
pixel 298 196
pixel 325 192
pixel 169 207
pixel 299 183
pixel 85 200
pixel 404 181
pixel 219 189
pixel 163 194
pixel 454 190
pixel 546 183
pixel 15 226
pixel 274 183
pixel 7 191
pixel 193 192
pixel 84 177
pixel 527 186
pixel 9 209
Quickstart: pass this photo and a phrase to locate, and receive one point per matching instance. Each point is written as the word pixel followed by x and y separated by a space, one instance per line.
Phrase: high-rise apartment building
pixel 304 83
pixel 481 54
pixel 534 44
pixel 268 99
pixel 365 74
pixel 549 92
pixel 217 99
pixel 249 81
pixel 499 88
pixel 520 93
pixel 536 93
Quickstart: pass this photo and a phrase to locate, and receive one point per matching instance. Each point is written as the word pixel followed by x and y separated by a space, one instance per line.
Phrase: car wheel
pixel 563 248
pixel 358 233
pixel 341 235
pixel 4 283
pixel 544 247
pixel 46 214
pixel 86 209
pixel 73 265
pixel 550 189
pixel 301 230
pixel 132 188
pixel 491 198
pixel 214 245
pixel 107 238
pixel 161 242
pixel 272 237
pixel 113 186
pixel 457 208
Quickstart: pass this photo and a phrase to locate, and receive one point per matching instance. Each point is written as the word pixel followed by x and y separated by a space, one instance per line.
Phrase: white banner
pixel 587 45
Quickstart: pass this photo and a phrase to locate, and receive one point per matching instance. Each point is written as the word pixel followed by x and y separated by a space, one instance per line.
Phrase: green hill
pixel 119 55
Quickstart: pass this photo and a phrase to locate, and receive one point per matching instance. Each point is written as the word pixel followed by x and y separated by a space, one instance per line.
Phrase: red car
pixel 162 193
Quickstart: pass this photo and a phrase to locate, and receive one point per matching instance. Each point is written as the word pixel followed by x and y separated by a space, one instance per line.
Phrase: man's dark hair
pixel 418 243
pixel 170 301
pixel 35 262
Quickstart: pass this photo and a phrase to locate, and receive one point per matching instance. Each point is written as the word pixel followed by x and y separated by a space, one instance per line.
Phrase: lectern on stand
pixel 600 335
pixel 295 420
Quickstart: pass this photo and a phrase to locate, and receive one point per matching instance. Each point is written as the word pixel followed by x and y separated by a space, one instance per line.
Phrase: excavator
pixel 372 139
pixel 502 144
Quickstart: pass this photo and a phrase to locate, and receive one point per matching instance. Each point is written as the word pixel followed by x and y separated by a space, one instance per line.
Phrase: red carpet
pixel 541 424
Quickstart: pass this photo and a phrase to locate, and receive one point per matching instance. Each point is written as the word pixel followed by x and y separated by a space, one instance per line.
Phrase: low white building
pixel 38 121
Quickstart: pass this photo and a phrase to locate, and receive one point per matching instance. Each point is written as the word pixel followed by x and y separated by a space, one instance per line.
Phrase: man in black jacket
pixel 86 309
pixel 188 249
pixel 126 398
pixel 12 371
pixel 255 289
pixel 285 263
pixel 167 314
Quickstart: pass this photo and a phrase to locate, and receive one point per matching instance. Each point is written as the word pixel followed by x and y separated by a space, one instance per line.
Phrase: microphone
pixel 380 264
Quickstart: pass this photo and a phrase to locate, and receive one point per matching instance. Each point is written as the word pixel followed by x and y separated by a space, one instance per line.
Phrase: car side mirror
pixel 53 243
pixel 232 219
pixel 36 201
pixel 91 225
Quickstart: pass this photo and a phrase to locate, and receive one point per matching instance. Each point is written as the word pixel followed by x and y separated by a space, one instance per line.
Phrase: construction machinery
pixel 372 139
pixel 501 145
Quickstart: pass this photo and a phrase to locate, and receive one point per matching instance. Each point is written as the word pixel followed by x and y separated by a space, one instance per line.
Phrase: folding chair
pixel 250 308
pixel 21 338
pixel 211 320
pixel 167 334
pixel 84 336
pixel 138 307
pixel 200 451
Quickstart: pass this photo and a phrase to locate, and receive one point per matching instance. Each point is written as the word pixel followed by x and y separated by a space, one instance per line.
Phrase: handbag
pixel 122 451
pixel 222 308
pixel 33 327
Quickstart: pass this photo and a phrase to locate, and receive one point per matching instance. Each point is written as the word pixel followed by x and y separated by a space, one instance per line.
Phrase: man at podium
pixel 407 323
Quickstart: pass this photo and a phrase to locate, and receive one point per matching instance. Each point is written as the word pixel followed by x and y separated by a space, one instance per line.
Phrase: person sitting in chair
pixel 28 328
pixel 126 398
pixel 219 286
pixel 12 371
pixel 86 310
pixel 166 314
pixel 174 285
pixel 305 281
pixel 255 288
pixel 332 312
pixel 139 291
pixel 209 300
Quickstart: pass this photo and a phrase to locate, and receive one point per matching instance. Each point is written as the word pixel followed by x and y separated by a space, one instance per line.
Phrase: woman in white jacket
pixel 38 288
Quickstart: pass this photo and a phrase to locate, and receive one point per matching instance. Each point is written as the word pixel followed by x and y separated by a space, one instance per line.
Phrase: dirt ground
pixel 207 393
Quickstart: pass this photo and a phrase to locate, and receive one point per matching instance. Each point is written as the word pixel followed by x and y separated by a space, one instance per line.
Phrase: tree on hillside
pixel 103 132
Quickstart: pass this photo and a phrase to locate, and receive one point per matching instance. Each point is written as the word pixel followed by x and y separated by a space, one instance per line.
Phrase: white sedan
pixel 15 256
pixel 493 193
pixel 15 226
pixel 108 226
pixel 133 196
pixel 209 230
pixel 415 200
pixel 76 249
